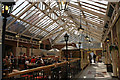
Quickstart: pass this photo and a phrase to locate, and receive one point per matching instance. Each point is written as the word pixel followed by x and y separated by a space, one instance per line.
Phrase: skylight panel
pixel 44 33
pixel 54 36
pixel 27 25
pixel 94 3
pixel 73 2
pixel 53 4
pixel 29 14
pixel 88 14
pixel 18 3
pixel 21 8
pixel 74 10
pixel 31 30
pixel 35 20
pixel 60 22
pixel 37 31
pixel 93 10
pixel 58 29
pixel 53 26
pixel 43 20
pixel 46 22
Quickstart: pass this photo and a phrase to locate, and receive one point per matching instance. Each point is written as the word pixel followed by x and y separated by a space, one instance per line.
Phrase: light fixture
pixel 89 41
pixel 79 44
pixel 40 42
pixel 107 40
pixel 63 4
pixel 80 28
pixel 87 38
pixel 66 37
pixel 7 8
pixel 66 55
pixel 17 36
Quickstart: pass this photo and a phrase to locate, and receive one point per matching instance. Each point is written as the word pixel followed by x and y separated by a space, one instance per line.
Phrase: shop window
pixel 47 47
pixel 41 46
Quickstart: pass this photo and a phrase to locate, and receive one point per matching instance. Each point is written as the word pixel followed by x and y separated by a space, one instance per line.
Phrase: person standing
pixel 12 61
pixel 94 57
pixel 90 58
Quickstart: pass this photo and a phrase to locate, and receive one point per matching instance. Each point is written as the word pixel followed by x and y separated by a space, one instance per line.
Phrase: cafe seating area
pixel 51 71
pixel 60 39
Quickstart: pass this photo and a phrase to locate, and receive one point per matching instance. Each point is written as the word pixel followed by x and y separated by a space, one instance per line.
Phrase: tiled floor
pixel 95 71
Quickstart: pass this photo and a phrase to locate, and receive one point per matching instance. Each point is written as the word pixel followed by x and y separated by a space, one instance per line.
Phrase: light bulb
pixel 107 40
pixel 40 41
pixel 6 8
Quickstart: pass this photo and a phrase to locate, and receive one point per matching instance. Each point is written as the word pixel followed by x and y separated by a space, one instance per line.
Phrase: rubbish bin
pixel 109 68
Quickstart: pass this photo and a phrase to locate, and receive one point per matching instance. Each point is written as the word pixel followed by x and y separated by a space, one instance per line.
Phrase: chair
pixel 56 71
pixel 21 66
pixel 39 75
pixel 27 76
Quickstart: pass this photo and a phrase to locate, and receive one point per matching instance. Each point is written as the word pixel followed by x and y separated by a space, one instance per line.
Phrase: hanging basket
pixel 104 50
pixel 113 47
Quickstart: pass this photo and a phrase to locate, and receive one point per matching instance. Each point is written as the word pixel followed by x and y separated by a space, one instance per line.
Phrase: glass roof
pixel 43 20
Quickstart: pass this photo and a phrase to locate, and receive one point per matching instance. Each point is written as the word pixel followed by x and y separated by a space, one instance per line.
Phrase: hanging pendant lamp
pixel 63 4
pixel 80 28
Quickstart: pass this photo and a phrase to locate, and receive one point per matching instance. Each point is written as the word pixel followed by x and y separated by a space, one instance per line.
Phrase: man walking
pixel 94 57
pixel 90 58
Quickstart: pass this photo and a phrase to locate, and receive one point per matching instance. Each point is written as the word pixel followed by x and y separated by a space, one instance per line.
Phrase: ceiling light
pixel 87 37
pixel 89 41
pixel 80 28
pixel 63 4
pixel 40 42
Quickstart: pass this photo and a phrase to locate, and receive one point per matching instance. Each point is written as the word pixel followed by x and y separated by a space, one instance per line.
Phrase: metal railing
pixel 63 70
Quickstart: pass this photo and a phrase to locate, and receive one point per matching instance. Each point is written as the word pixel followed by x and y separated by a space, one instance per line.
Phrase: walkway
pixel 95 72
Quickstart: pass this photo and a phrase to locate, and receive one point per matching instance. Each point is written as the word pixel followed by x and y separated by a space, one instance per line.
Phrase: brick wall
pixel 27 45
